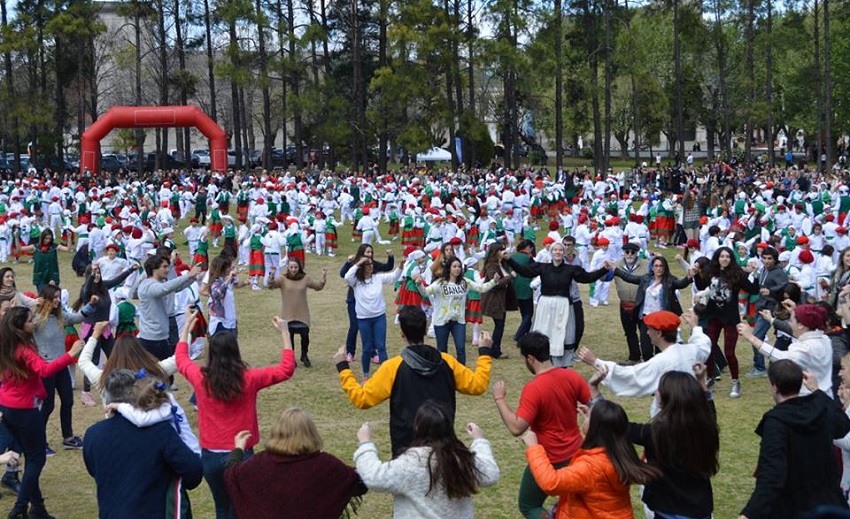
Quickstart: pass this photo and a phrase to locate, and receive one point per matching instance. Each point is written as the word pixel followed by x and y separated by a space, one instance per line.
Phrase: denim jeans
pixel 458 332
pixel 214 463
pixel 760 331
pixel 373 334
pixel 498 332
pixel 221 328
pixel 351 337
pixel 526 310
pixel 27 428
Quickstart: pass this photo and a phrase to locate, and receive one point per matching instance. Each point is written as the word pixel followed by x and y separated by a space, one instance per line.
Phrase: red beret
pixel 455 241
pixel 802 240
pixel 841 230
pixel 703 220
pixel 762 245
pixel 806 256
pixel 664 321
pixel 812 317
pixel 554 225
pixel 603 241
pixel 693 243
pixel 113 246
pixel 548 241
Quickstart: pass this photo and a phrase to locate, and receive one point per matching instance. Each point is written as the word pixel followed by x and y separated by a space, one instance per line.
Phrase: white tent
pixel 434 155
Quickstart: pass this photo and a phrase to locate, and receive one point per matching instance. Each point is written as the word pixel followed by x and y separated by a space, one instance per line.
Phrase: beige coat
pixel 293 297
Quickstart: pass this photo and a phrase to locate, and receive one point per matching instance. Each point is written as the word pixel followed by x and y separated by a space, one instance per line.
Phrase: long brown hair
pixel 224 373
pixel 608 426
pixel 684 432
pixel 47 294
pixel 298 275
pixel 441 261
pixel 451 465
pixel 220 266
pixel 128 353
pixel 12 335
pixel 492 257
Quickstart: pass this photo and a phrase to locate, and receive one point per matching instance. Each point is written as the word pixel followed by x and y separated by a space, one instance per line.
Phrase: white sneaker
pixel 736 389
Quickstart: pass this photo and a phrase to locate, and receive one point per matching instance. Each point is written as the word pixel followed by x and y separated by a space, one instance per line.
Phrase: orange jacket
pixel 588 488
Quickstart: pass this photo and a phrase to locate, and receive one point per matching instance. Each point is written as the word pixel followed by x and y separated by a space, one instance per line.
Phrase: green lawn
pixel 70 492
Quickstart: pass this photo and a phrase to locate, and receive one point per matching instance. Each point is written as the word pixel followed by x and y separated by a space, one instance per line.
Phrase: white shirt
pixel 813 353
pixel 642 379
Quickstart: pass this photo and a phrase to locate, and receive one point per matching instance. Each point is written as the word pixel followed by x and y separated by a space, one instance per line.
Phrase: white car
pixel 203 157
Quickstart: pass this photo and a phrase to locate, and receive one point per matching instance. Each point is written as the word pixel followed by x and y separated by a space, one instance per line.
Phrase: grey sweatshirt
pixel 50 337
pixel 153 309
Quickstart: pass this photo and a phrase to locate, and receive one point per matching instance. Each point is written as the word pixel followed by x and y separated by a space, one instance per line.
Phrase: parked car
pixel 110 163
pixel 202 157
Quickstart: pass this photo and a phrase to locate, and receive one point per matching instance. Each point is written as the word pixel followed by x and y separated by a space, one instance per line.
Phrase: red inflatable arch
pixel 152 116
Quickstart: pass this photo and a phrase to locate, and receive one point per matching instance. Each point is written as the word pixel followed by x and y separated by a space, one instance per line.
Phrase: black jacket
pixel 669 301
pixel 797 467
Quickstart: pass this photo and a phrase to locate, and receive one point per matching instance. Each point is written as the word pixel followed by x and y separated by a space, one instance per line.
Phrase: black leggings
pixel 304 332
pixel 61 383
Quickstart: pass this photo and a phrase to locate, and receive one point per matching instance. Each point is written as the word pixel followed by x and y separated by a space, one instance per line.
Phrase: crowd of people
pixel 760 248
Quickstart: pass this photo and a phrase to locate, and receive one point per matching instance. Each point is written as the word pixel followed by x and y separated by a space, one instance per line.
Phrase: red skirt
pixel 394 225
pixel 330 240
pixel 536 211
pixel 256 263
pixel 472 237
pixel 408 297
pixel 224 208
pixel 408 238
pixel 419 234
pixel 664 226
pixel 297 254
pixel 242 210
pixel 215 229
pixel 473 311
pixel 200 260
pixel 355 233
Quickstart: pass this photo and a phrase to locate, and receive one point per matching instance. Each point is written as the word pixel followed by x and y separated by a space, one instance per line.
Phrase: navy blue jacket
pixel 133 466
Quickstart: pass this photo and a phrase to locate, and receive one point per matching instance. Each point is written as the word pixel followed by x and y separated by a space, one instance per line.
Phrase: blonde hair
pixel 294 433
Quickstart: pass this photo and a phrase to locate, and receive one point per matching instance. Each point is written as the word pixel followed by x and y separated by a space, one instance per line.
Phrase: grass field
pixel 70 492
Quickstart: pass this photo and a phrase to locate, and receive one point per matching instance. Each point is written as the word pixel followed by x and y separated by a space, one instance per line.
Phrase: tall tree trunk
pixel 163 85
pixel 293 75
pixel 590 39
pixel 749 66
pixel 827 86
pixel 234 91
pixel 383 61
pixel 559 86
pixel 726 141
pixel 609 77
pixel 268 136
pixel 818 88
pixel 140 134
pixel 283 77
pixel 677 63
pixel 210 60
pixel 458 82
pixel 10 86
pixel 184 98
pixel 359 155
pixel 470 74
pixel 314 60
pixel 450 99
pixel 771 149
